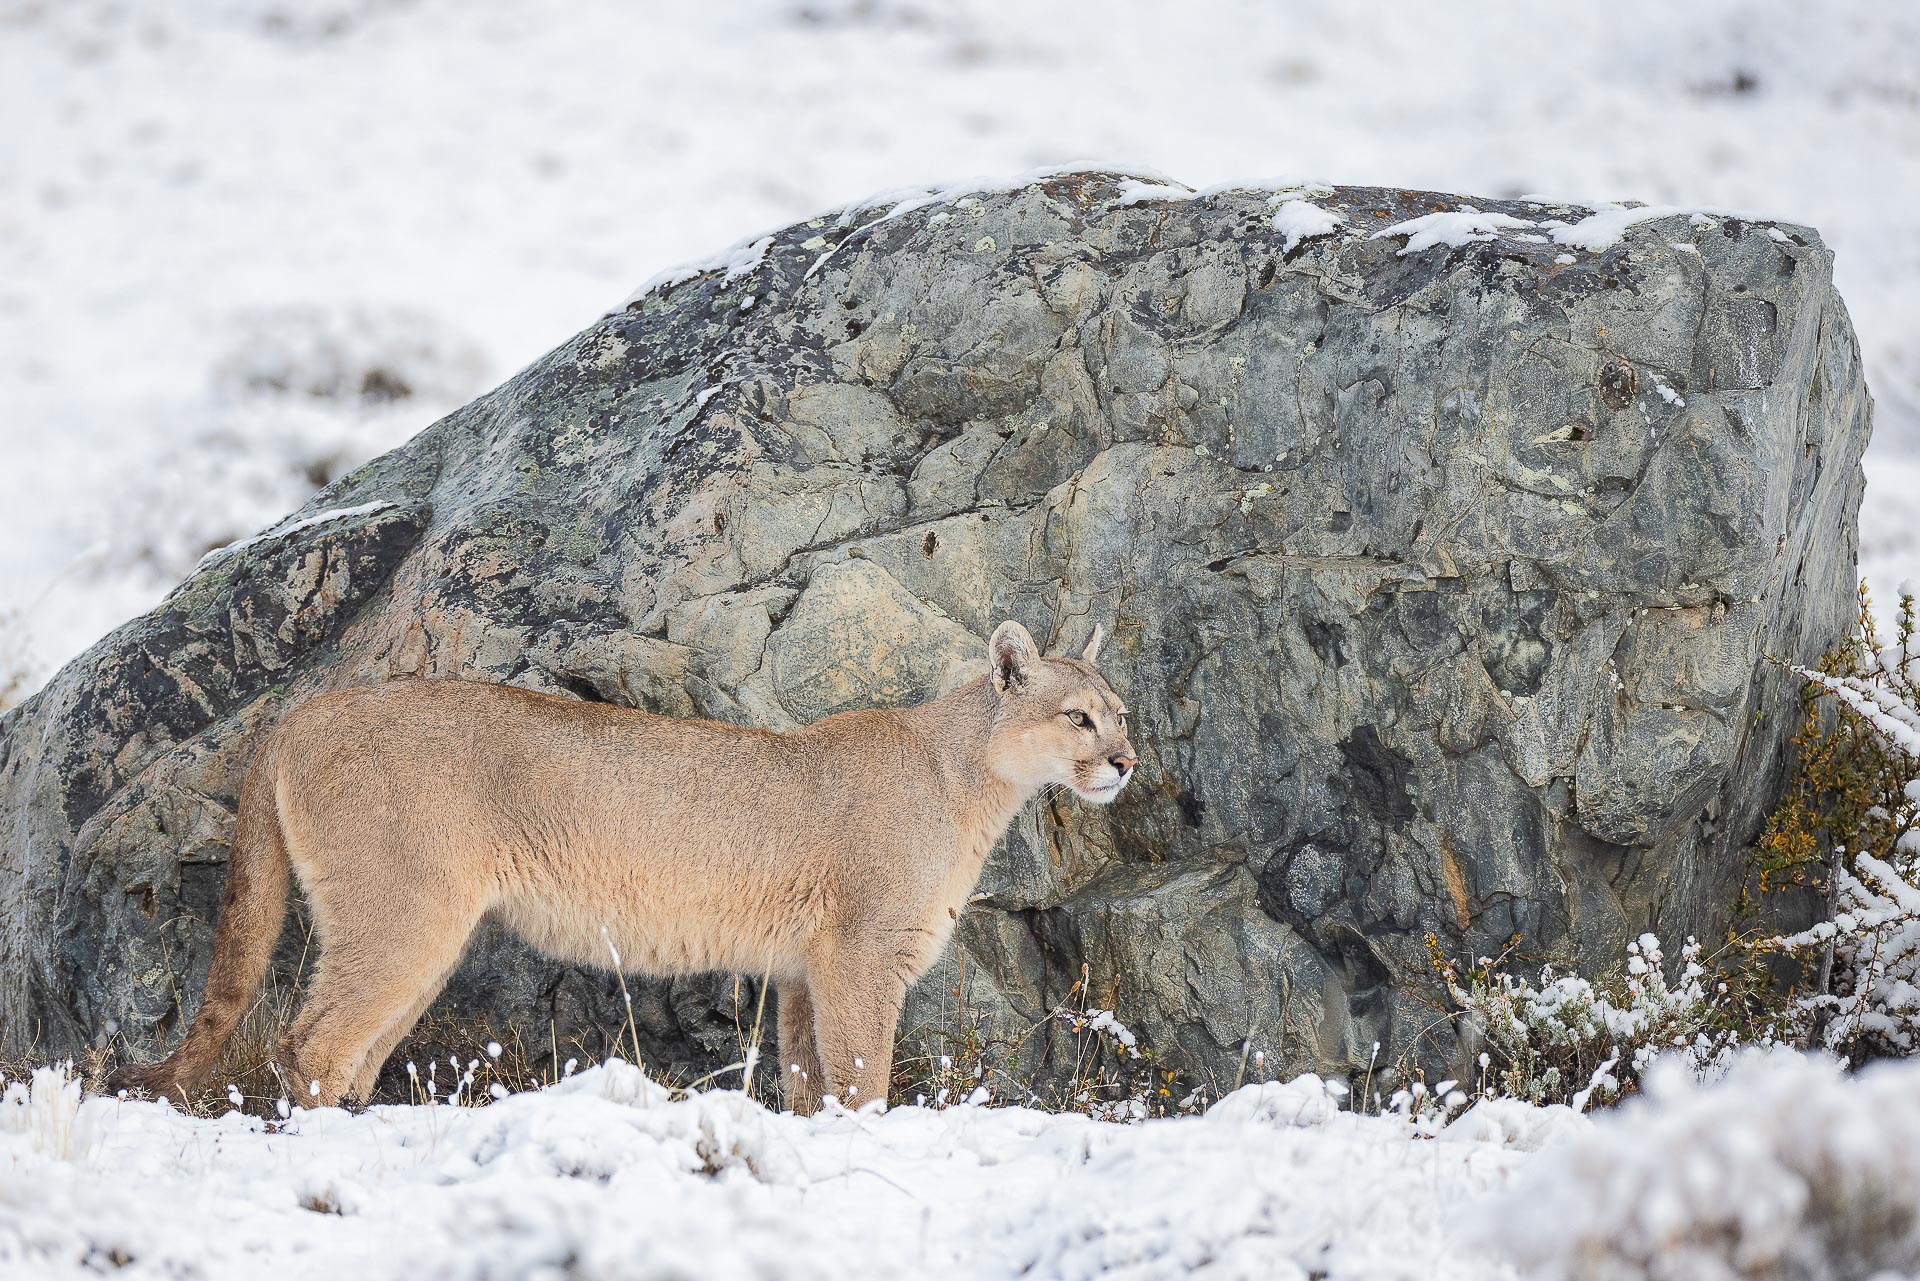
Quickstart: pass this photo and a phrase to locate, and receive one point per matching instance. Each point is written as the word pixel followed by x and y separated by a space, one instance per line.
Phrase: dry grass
pixel 471 1061
pixel 446 1059
pixel 449 1060
pixel 965 1059
pixel 91 1068
pixel 247 1078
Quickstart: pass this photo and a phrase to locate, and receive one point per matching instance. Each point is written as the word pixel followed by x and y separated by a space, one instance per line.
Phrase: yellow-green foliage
pixel 1847 785
pixel 1849 825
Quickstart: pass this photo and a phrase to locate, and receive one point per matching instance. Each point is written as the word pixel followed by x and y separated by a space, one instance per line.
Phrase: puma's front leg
pixel 799 1049
pixel 856 1009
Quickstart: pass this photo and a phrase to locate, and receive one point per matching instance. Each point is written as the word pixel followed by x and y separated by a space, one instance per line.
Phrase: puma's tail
pixel 251 915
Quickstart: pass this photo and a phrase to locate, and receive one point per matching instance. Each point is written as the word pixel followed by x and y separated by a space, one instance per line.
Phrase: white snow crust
pixel 608 1175
pixel 1786 1166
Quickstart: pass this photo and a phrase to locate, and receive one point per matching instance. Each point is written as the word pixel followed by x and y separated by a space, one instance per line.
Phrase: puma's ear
pixel 1012 654
pixel 1092 651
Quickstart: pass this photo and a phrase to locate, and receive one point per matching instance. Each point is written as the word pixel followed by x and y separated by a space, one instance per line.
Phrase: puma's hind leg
pixel 376 975
pixel 365 1081
pixel 799 1050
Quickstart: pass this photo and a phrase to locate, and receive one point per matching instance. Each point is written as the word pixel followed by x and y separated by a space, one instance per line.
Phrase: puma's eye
pixel 1080 720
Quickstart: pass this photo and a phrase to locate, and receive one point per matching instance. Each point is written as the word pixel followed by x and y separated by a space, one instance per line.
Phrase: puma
pixel 832 859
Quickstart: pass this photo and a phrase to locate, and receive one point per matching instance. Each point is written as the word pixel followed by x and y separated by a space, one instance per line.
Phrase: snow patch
pixel 610 1176
pixel 306 522
pixel 1509 1123
pixel 1135 192
pixel 1603 229
pixel 1305 1101
pixel 742 258
pixel 1299 220
pixel 1451 228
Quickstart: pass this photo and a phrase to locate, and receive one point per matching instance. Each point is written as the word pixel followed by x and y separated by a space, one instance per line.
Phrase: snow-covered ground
pixel 233 231
pixel 1784 1170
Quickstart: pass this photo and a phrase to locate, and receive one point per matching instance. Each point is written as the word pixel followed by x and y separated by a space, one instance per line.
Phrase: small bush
pixel 1567 1039
pixel 1848 790
pixel 1851 821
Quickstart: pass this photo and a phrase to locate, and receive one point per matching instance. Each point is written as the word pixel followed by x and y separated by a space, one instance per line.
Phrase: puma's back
pixel 566 818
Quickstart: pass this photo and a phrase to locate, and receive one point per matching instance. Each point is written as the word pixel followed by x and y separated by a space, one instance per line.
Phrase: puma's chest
pixel 951 895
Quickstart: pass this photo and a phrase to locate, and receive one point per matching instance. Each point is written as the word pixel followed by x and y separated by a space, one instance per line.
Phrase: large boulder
pixel 1442 547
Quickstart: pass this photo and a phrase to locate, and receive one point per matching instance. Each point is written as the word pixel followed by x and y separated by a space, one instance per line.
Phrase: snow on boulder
pixel 1441 542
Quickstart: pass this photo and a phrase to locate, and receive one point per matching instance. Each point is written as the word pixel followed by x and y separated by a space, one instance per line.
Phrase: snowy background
pixel 245 244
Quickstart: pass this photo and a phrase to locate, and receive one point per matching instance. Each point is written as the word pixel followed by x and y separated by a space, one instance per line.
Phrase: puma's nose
pixel 1123 763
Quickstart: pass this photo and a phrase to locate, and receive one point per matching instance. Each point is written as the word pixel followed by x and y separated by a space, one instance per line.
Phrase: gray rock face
pixel 1440 581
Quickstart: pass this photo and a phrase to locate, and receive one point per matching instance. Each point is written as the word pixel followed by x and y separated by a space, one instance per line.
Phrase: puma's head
pixel 1058 720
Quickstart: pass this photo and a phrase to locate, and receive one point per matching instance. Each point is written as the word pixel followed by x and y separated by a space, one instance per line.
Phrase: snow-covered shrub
pixel 1427 1111
pixel 1567 1039
pixel 45 1109
pixel 1304 1101
pixel 301 396
pixel 13 658
pixel 1853 812
pixel 1509 1123
pixel 359 353
pixel 1786 1168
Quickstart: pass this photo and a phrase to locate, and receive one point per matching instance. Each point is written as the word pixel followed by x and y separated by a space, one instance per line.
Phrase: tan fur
pixel 833 859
